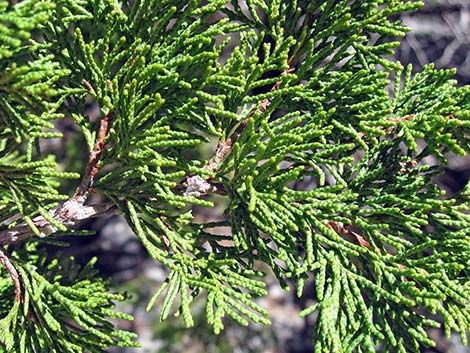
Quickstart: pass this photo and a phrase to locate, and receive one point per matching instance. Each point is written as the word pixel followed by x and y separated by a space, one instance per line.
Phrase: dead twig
pixel 15 277
pixel 346 231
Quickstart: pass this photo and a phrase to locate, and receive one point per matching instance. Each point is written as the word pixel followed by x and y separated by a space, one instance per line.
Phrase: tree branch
pixel 92 167
pixel 74 210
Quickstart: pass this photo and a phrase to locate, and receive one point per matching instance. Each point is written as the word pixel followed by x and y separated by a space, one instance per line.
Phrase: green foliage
pixel 29 99
pixel 295 91
pixel 66 308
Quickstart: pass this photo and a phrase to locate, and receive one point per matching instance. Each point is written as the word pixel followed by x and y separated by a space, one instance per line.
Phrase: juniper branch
pixel 70 214
pixel 74 210
pixel 197 186
pixel 366 232
pixel 92 167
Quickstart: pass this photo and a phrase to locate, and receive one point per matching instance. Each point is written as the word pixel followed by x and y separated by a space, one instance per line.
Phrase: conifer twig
pixel 72 211
pixel 92 167
pixel 15 277
pixel 224 147
pixel 195 185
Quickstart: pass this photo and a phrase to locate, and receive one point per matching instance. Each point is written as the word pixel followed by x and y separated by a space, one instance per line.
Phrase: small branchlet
pixel 6 262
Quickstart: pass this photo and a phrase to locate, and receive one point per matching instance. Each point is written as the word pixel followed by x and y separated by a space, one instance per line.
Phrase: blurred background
pixel 441 35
